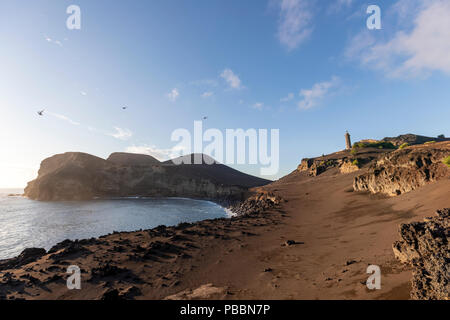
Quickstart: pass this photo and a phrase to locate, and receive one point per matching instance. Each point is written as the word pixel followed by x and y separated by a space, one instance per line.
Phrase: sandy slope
pixel 244 258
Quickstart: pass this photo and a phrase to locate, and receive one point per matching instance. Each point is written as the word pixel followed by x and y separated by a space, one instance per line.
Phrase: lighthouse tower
pixel 348 141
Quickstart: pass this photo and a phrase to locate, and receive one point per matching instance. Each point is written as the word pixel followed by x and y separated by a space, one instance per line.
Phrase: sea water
pixel 26 223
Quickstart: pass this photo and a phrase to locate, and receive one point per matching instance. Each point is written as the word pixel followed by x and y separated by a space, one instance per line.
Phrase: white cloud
pixel 338 5
pixel 231 78
pixel 173 95
pixel 63 117
pixel 207 94
pixel 50 40
pixel 158 153
pixel 294 25
pixel 83 93
pixel 258 106
pixel 289 97
pixel 417 52
pixel 121 134
pixel 312 97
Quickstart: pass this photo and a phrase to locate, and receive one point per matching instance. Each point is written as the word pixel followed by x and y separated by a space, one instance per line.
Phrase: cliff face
pixel 405 170
pixel 425 246
pixel 79 176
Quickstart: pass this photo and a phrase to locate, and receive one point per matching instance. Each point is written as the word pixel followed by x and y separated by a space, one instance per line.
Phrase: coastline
pixel 292 251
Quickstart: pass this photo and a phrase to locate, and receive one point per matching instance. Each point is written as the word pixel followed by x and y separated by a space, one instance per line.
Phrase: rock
pixel 405 170
pixel 111 295
pixel 425 246
pixel 27 256
pixel 257 203
pixel 106 270
pixel 413 139
pixel 207 291
pixel 348 167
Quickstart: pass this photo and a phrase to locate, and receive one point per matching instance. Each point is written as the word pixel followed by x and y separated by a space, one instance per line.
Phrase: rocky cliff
pixel 413 139
pixel 79 176
pixel 405 169
pixel 425 246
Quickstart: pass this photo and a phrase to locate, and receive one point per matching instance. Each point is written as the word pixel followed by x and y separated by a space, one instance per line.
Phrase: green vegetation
pixel 355 162
pixel 404 145
pixel 446 161
pixel 430 142
pixel 379 145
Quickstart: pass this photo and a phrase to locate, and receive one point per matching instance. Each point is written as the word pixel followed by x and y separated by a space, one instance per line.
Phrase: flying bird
pixel 124 108
pixel 41 113
pixel 205 118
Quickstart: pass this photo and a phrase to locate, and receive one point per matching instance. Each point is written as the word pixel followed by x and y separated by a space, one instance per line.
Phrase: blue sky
pixel 311 69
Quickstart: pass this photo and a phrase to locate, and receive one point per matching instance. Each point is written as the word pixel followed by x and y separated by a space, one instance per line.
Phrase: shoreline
pixel 228 213
pixel 303 237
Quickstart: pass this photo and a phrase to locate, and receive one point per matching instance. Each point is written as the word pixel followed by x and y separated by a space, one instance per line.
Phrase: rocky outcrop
pixel 79 176
pixel 425 246
pixel 413 139
pixel 317 166
pixel 257 203
pixel 28 255
pixel 405 170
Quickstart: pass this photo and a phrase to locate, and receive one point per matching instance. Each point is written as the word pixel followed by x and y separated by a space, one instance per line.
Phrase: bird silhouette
pixel 124 108
pixel 205 118
pixel 41 113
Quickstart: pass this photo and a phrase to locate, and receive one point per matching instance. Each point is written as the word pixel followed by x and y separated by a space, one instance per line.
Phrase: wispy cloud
pixel 83 93
pixel 231 78
pixel 294 25
pixel 158 153
pixel 207 94
pixel 63 117
pixel 50 40
pixel 173 95
pixel 339 5
pixel 409 53
pixel 289 97
pixel 312 97
pixel 121 134
pixel 258 106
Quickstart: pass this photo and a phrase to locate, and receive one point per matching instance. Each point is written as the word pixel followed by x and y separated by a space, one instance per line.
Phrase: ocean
pixel 26 223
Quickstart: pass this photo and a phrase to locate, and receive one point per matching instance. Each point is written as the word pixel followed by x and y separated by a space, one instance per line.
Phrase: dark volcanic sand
pixel 338 233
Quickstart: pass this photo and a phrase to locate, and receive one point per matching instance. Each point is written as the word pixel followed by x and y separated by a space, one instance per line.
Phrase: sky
pixel 310 68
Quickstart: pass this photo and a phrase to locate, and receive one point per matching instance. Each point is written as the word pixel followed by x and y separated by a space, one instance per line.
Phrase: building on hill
pixel 348 141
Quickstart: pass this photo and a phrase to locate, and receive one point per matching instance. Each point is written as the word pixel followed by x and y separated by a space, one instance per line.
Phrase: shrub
pixel 354 150
pixel 355 162
pixel 404 145
pixel 447 161
pixel 379 145
pixel 430 142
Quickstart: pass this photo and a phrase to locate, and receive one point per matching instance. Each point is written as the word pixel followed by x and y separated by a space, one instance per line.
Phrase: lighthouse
pixel 348 141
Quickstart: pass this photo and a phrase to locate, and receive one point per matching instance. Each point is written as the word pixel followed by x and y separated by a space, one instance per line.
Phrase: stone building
pixel 348 141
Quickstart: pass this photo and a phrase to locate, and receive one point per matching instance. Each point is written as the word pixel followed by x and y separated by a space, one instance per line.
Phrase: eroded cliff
pixel 405 170
pixel 79 176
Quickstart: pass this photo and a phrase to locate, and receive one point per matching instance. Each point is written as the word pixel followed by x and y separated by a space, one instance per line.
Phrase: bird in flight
pixel 124 107
pixel 205 118
pixel 41 113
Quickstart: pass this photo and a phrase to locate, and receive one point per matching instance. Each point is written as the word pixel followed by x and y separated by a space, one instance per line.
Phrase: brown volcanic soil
pixel 335 232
